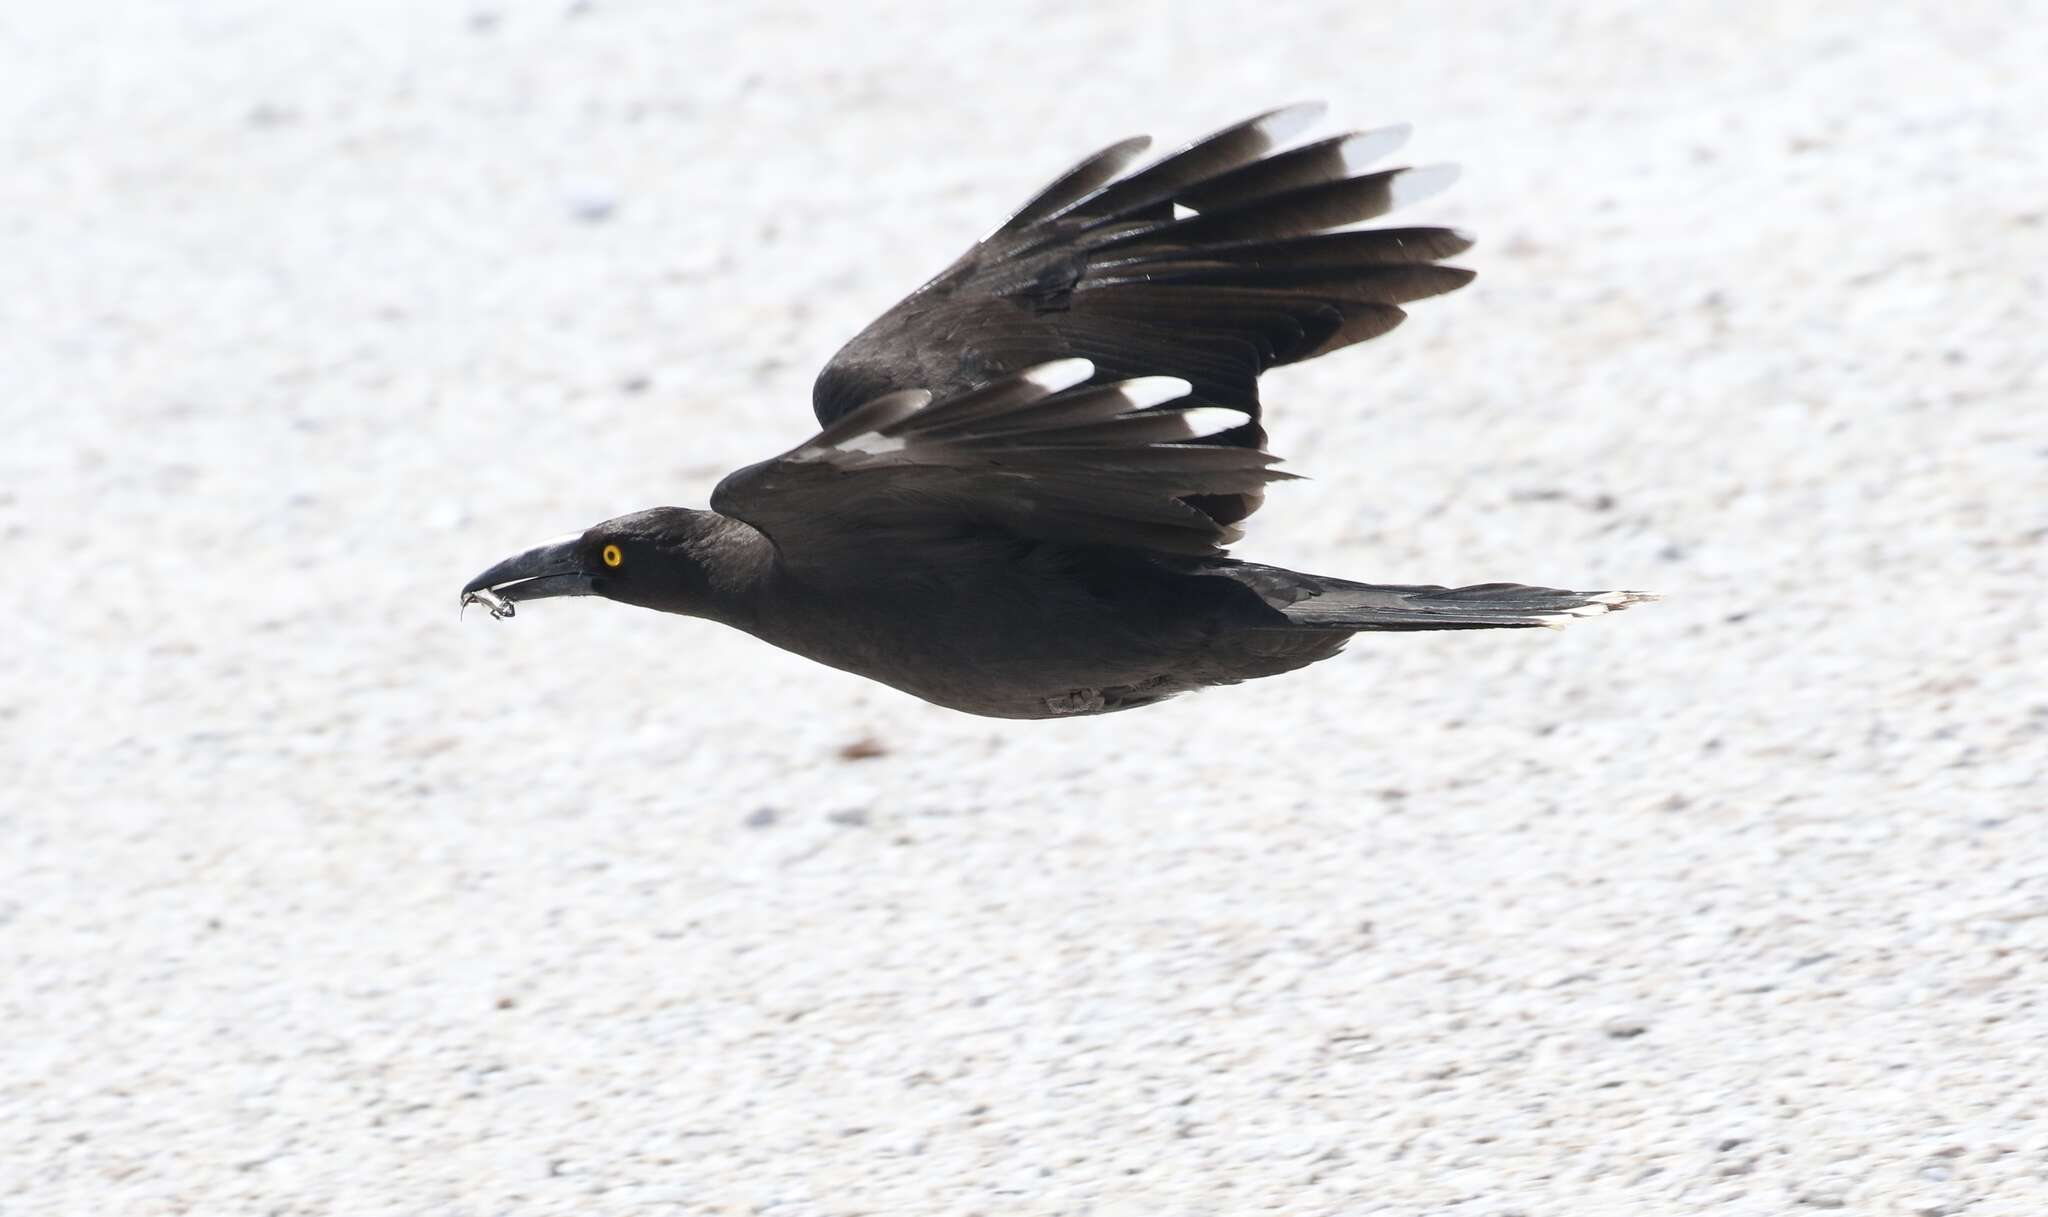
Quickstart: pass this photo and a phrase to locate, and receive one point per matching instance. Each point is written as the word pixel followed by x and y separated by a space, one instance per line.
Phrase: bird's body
pixel 1059 630
pixel 1029 469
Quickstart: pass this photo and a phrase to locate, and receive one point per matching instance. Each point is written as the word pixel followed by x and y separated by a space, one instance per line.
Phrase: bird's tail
pixel 1316 602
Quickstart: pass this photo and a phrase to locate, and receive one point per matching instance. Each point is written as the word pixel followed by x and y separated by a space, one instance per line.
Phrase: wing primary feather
pixel 1291 213
pixel 1144 428
pixel 1200 160
pixel 871 417
pixel 1077 182
pixel 1098 403
pixel 1320 251
pixel 1390 284
pixel 1016 392
pixel 1323 161
pixel 1360 323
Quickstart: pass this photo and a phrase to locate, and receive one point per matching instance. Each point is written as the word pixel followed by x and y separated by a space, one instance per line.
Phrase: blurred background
pixel 316 899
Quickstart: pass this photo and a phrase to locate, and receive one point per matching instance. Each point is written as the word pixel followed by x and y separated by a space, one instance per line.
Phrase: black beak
pixel 548 569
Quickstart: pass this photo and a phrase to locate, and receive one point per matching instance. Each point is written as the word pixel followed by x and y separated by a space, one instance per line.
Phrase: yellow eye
pixel 612 556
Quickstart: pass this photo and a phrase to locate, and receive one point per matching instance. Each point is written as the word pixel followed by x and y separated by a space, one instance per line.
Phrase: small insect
pixel 500 607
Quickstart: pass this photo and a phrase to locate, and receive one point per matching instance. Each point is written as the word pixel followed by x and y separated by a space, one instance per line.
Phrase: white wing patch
pixel 1203 421
pixel 1060 374
pixel 1415 185
pixel 1148 391
pixel 1368 148
pixel 896 423
pixel 872 444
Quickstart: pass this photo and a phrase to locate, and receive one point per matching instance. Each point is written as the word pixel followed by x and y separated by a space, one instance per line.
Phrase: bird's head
pixel 659 559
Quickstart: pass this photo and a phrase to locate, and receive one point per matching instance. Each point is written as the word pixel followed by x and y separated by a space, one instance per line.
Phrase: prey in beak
pixel 552 568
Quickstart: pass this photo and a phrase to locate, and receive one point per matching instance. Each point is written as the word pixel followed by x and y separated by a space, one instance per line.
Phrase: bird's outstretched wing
pixel 1211 264
pixel 1041 455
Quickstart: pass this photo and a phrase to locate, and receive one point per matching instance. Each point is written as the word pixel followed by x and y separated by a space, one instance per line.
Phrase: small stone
pixel 1624 1026
pixel 762 817
pixel 592 204
pixel 866 748
pixel 270 114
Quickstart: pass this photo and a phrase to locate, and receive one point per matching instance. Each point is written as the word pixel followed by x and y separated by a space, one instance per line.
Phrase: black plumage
pixel 1028 469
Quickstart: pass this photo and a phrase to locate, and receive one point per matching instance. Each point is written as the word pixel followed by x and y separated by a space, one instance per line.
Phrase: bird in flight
pixel 1028 471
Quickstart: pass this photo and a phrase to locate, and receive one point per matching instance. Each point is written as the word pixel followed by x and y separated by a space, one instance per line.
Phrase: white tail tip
pixel 1611 602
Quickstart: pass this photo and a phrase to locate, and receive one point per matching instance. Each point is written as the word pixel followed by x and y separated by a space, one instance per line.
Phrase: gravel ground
pixel 317 900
